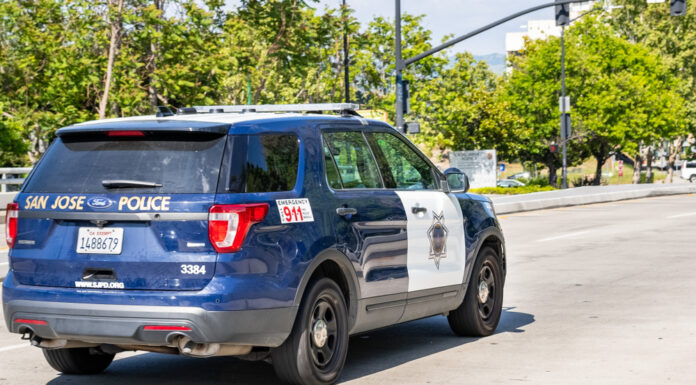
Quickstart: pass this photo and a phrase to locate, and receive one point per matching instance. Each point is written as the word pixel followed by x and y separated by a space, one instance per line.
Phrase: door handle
pixel 346 211
pixel 417 210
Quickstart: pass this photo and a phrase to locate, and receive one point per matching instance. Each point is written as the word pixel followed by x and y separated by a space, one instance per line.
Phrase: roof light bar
pixel 336 107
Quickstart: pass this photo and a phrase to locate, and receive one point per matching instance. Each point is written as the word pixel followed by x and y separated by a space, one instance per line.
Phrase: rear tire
pixel 692 179
pixel 315 351
pixel 78 360
pixel 479 313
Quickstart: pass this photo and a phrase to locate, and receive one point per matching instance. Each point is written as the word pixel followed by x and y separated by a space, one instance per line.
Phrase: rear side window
pixel 179 162
pixel 262 163
pixel 354 160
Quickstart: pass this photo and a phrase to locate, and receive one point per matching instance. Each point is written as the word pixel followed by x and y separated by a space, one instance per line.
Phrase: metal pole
pixel 346 60
pixel 485 28
pixel 248 91
pixel 564 122
pixel 399 68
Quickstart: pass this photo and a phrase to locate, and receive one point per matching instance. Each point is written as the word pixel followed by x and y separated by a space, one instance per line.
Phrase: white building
pixel 542 29
pixel 536 29
pixel 579 9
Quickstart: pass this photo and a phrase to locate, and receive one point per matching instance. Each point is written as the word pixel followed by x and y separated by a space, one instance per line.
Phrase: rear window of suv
pixel 179 162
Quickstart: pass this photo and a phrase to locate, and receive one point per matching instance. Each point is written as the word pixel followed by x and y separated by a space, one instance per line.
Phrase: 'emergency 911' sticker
pixel 295 210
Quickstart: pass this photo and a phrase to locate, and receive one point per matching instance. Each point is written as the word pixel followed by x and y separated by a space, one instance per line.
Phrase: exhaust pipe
pixel 58 343
pixel 192 349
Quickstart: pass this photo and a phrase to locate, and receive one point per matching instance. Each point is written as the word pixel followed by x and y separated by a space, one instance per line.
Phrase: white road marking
pixel 4 263
pixel 13 347
pixel 568 235
pixel 682 215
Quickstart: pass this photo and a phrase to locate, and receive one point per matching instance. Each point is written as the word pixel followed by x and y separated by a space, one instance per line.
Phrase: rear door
pixel 121 210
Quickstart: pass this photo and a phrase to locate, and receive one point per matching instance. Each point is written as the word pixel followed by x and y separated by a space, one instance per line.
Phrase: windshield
pixel 167 163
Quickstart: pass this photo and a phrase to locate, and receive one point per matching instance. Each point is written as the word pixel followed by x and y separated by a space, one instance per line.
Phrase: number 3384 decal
pixel 193 269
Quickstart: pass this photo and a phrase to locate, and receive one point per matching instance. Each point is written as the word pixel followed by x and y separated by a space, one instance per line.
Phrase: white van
pixel 689 171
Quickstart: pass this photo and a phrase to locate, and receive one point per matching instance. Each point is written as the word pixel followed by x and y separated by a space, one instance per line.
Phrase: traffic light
pixel 553 148
pixel 563 14
pixel 677 7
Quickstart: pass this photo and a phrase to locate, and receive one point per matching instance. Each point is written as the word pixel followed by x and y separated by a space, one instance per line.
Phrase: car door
pixel 435 224
pixel 370 226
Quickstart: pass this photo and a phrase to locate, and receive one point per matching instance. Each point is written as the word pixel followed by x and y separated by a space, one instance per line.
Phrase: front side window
pixel 353 159
pixel 400 165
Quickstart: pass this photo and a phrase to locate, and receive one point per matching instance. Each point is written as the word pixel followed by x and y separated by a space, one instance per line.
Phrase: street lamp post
pixel 346 59
pixel 565 122
pixel 399 68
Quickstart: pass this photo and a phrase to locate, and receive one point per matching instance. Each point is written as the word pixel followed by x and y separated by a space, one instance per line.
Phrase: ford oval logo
pixel 99 203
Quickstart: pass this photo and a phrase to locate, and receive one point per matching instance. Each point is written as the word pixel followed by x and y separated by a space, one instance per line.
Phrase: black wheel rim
pixel 486 291
pixel 323 317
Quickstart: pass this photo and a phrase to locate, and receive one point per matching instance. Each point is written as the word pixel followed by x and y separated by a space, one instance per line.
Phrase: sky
pixel 444 17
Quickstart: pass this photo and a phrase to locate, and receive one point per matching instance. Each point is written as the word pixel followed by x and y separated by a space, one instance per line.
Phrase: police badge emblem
pixel 437 234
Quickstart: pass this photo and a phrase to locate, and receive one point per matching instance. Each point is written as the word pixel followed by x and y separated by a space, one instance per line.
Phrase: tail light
pixel 228 225
pixel 11 223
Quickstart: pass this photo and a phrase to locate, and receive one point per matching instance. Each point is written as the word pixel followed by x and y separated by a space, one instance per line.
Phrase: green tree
pixel 622 95
pixel 674 38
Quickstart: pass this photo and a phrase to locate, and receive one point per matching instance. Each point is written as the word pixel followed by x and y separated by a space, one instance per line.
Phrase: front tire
pixel 479 313
pixel 78 360
pixel 692 179
pixel 315 351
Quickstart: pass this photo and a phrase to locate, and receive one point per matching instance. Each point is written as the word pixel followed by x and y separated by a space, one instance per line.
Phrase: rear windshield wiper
pixel 120 183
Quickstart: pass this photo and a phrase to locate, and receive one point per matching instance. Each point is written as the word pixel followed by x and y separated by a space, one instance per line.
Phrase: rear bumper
pixel 124 324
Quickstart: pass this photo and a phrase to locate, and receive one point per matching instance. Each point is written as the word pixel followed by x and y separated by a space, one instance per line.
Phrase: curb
pixel 547 200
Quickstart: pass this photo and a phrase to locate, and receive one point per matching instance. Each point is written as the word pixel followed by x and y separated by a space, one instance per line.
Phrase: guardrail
pixel 11 176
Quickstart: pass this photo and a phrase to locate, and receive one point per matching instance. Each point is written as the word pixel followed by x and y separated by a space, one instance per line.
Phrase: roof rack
pixel 343 108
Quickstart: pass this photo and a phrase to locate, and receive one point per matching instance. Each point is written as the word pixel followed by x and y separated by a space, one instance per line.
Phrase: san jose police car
pixel 227 231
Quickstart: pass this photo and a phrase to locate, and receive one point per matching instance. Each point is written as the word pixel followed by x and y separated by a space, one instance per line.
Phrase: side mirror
pixel 457 180
pixel 412 128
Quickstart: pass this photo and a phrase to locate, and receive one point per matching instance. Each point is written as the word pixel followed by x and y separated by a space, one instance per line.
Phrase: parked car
pixel 688 171
pixel 521 175
pixel 510 183
pixel 234 231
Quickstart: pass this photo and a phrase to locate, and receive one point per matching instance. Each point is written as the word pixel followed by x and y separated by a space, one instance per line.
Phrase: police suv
pixel 263 232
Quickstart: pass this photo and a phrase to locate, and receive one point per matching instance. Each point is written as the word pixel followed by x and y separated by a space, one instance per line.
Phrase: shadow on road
pixel 368 353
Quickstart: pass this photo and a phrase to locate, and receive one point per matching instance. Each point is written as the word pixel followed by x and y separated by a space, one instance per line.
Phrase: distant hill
pixel 496 62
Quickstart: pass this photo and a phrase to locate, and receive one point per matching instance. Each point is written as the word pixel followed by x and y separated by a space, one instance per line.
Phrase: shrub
pixel 511 190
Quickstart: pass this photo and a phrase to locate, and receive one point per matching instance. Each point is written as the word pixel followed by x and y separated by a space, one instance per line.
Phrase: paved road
pixel 595 295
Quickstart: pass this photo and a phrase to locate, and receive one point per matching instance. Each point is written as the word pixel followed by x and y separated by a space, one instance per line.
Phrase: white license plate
pixel 95 240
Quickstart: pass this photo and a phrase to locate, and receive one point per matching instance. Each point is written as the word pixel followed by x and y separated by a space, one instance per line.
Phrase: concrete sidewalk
pixel 507 204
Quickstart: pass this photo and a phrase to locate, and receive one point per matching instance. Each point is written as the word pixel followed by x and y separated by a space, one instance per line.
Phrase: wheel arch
pixel 335 265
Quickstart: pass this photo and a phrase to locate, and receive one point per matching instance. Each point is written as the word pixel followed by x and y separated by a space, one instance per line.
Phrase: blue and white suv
pixel 238 231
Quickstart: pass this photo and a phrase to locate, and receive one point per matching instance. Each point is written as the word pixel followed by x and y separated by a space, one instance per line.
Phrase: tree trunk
pixel 114 47
pixel 675 148
pixel 151 64
pixel 598 171
pixel 637 168
pixel 553 178
pixel 648 164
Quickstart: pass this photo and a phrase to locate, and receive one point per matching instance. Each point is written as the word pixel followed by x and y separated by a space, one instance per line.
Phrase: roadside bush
pixel 539 181
pixel 511 190
pixel 589 180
